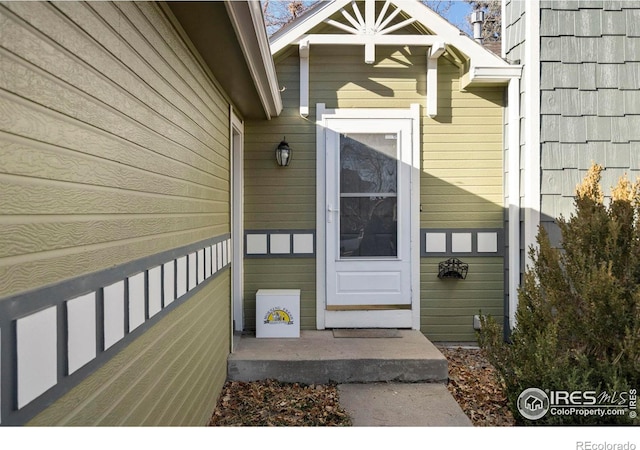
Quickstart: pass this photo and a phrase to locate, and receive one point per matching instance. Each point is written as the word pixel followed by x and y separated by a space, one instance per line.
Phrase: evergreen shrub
pixel 578 316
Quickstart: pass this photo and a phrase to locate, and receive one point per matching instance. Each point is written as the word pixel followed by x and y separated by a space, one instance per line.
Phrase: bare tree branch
pixel 278 13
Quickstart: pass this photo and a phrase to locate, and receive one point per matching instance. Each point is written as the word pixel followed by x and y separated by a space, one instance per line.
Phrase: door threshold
pixel 366 307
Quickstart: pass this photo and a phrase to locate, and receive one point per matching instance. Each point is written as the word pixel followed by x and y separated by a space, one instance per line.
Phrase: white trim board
pixel 513 200
pixel 236 144
pixel 532 172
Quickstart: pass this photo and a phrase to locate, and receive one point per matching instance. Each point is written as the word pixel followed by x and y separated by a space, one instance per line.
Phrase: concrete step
pixel 319 357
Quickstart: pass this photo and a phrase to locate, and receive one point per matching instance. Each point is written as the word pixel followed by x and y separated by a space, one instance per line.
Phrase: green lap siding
pixel 461 183
pixel 114 146
pixel 448 306
pixel 281 273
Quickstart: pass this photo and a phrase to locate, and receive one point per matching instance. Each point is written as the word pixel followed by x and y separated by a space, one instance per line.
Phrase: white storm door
pixel 368 219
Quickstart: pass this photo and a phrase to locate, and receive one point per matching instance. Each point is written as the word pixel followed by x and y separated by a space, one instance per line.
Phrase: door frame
pixel 392 318
pixel 236 137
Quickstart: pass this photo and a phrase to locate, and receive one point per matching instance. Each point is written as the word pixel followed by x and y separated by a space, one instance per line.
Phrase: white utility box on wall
pixel 278 313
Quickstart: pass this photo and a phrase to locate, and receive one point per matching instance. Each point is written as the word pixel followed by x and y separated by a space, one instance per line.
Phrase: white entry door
pixel 368 219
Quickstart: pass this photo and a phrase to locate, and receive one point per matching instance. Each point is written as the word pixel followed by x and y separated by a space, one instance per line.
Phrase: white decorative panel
pixel 280 243
pixel 136 301
pixel 200 266
pixel 214 258
pixel 192 270
pixel 225 250
pixel 181 276
pixel 113 313
pixel 461 242
pixel 256 244
pixel 303 243
pixel 229 251
pixel 169 282
pixel 37 356
pixel 436 242
pixel 81 331
pixel 373 282
pixel 155 291
pixel 219 251
pixel 487 242
pixel 207 262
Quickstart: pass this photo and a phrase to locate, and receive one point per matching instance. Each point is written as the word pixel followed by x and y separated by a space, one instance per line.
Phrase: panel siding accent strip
pixel 279 243
pixel 121 303
pixel 461 242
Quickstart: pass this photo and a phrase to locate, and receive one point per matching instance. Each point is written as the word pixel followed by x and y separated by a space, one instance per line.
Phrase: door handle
pixel 331 210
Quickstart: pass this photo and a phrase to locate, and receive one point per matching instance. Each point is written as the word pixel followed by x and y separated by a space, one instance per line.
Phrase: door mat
pixel 366 333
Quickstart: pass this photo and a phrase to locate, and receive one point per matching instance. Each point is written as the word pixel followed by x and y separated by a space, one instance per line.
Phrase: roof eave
pixel 247 20
pixel 229 39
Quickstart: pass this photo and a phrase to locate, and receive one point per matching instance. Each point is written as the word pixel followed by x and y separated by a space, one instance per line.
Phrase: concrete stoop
pixel 385 379
pixel 319 357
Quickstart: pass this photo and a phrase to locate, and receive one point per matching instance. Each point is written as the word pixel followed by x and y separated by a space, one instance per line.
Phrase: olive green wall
pixel 461 182
pixel 170 376
pixel 448 306
pixel 104 159
pixel 114 146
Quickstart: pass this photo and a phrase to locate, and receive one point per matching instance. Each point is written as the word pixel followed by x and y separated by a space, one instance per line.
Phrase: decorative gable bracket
pixel 371 29
pixel 436 49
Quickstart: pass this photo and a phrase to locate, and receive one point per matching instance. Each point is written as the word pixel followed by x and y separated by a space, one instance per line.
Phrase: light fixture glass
pixel 283 154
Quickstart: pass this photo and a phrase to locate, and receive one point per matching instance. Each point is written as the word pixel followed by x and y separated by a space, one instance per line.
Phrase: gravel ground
pixel 472 382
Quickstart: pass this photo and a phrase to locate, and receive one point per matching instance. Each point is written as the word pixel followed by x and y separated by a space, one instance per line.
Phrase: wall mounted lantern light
pixel 283 154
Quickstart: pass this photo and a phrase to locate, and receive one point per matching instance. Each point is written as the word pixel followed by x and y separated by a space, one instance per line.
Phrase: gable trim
pixel 297 29
pixel 442 29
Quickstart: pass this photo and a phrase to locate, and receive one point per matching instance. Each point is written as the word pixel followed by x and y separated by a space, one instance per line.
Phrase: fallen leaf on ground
pixel 472 382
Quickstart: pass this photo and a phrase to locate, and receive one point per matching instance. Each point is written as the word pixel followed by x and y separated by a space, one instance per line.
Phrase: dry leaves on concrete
pixel 474 384
pixel 271 403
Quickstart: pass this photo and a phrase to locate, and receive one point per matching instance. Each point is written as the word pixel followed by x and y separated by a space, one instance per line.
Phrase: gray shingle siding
pixel 514 29
pixel 590 96
pixel 588 49
pixel 629 76
pixel 588 22
pixel 633 21
pixel 613 22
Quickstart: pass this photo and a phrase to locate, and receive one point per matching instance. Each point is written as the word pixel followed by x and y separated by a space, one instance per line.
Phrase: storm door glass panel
pixel 368 195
